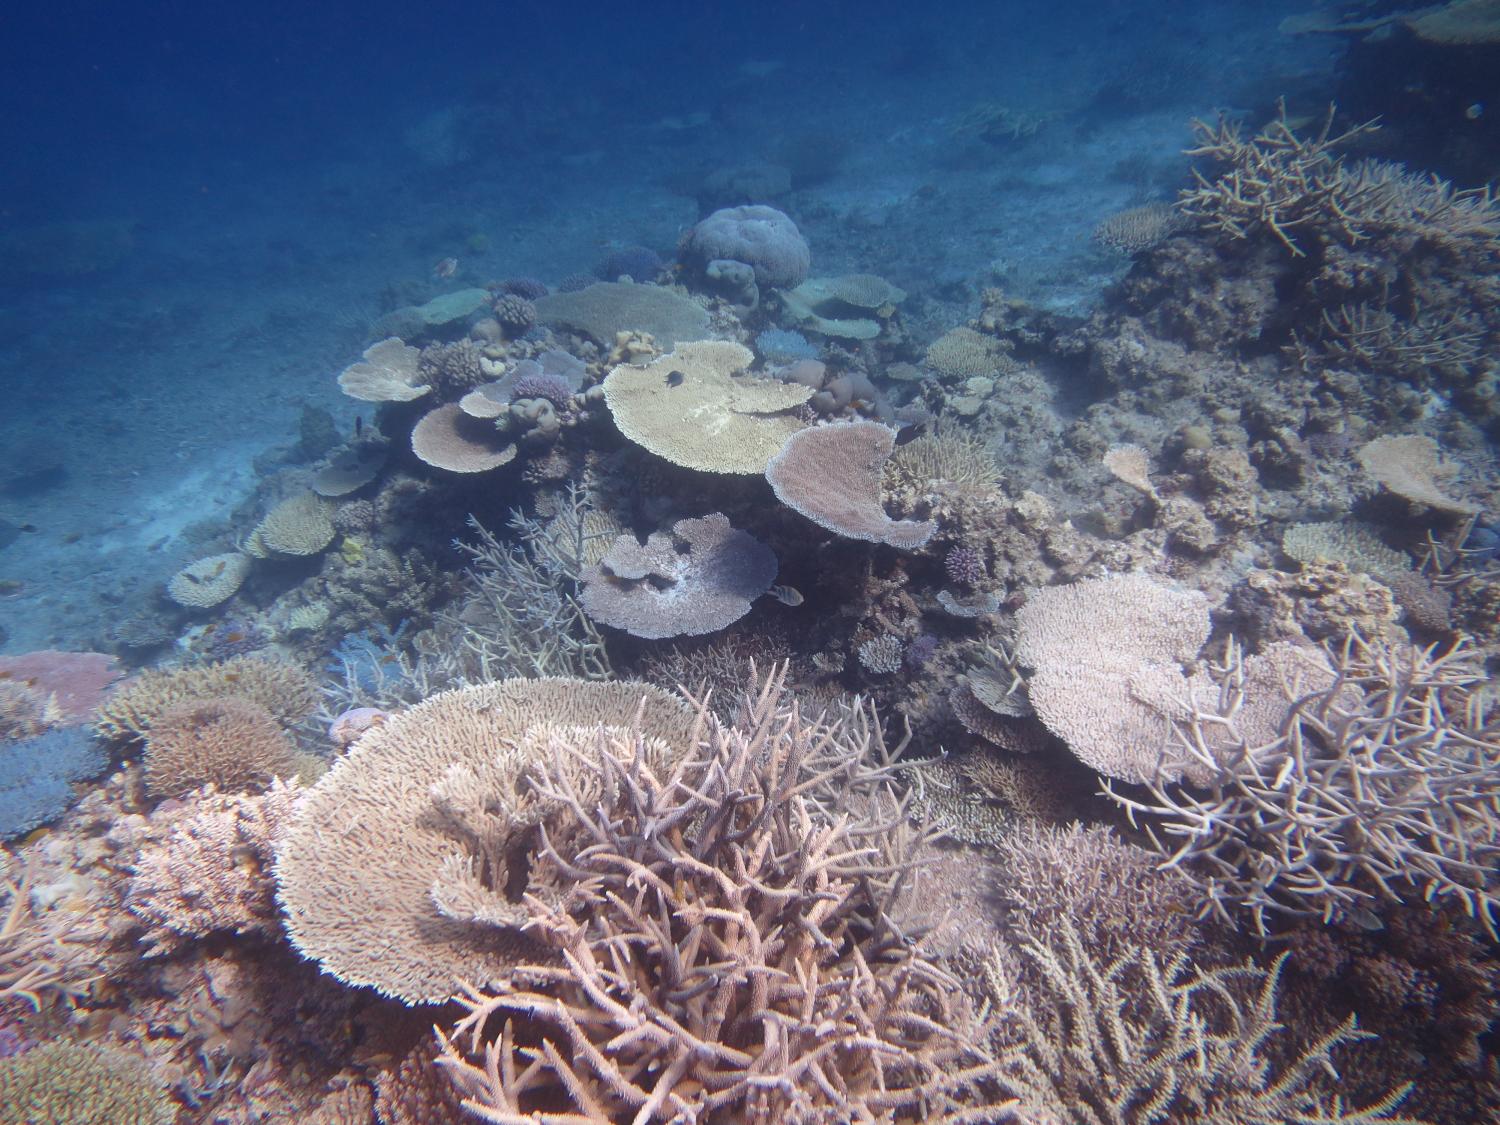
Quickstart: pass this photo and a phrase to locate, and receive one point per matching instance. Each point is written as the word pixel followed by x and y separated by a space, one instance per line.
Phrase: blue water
pixel 252 185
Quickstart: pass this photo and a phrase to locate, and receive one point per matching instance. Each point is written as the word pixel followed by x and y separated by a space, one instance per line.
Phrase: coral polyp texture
pixel 439 806
pixel 228 742
pixel 68 1083
pixel 751 963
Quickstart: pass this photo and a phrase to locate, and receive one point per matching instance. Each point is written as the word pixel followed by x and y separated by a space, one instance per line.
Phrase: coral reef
pixel 767 976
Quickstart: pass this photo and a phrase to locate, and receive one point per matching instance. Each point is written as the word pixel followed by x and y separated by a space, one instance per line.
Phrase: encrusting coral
pixel 730 947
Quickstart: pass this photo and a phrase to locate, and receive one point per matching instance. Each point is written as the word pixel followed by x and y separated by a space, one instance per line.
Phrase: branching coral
pixel 1378 783
pixel 1290 185
pixel 1276 181
pixel 729 950
pixel 1148 1037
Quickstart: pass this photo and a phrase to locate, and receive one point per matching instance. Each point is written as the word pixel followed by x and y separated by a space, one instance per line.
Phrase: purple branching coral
pixel 965 566
pixel 553 388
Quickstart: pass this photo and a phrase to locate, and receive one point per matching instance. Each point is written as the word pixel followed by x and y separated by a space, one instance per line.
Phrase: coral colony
pixel 712 691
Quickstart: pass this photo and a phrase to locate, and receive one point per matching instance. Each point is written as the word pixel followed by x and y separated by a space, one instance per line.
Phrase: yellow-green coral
pixel 81 1084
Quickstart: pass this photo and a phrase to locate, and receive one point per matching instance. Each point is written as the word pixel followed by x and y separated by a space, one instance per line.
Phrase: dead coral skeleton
pixel 731 948
pixel 1380 784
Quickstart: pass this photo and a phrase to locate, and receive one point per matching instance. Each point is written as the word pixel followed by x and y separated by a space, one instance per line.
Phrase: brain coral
pixel 688 408
pixel 395 823
pixel 231 743
pixel 64 1083
pixel 659 591
pixel 761 237
pixel 832 475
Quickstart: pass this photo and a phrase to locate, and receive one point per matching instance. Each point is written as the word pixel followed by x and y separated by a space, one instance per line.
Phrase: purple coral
pixel 554 388
pixel 527 288
pixel 965 566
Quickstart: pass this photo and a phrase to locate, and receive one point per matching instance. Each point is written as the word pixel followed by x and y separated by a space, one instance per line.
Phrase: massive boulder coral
pixel 832 475
pixel 404 867
pixel 697 580
pixel 688 407
pixel 762 237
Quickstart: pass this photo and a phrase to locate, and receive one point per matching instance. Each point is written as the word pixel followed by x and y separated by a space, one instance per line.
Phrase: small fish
pixel 786 595
pixel 446 268
pixel 359 426
pixel 675 378
pixel 910 432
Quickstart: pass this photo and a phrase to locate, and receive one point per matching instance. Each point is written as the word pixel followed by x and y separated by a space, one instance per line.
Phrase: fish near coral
pixel 347 729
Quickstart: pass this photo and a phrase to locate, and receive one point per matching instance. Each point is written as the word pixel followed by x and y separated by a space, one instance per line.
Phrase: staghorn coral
pixel 1148 1036
pixel 207 582
pixel 300 525
pixel 519 615
pixel 729 949
pixel 72 1083
pixel 227 742
pixel 688 408
pixel 1276 182
pixel 389 373
pixel 35 959
pixel 209 869
pixel 832 475
pixel 700 579
pixel 281 688
pixel 357 873
pixel 1374 784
